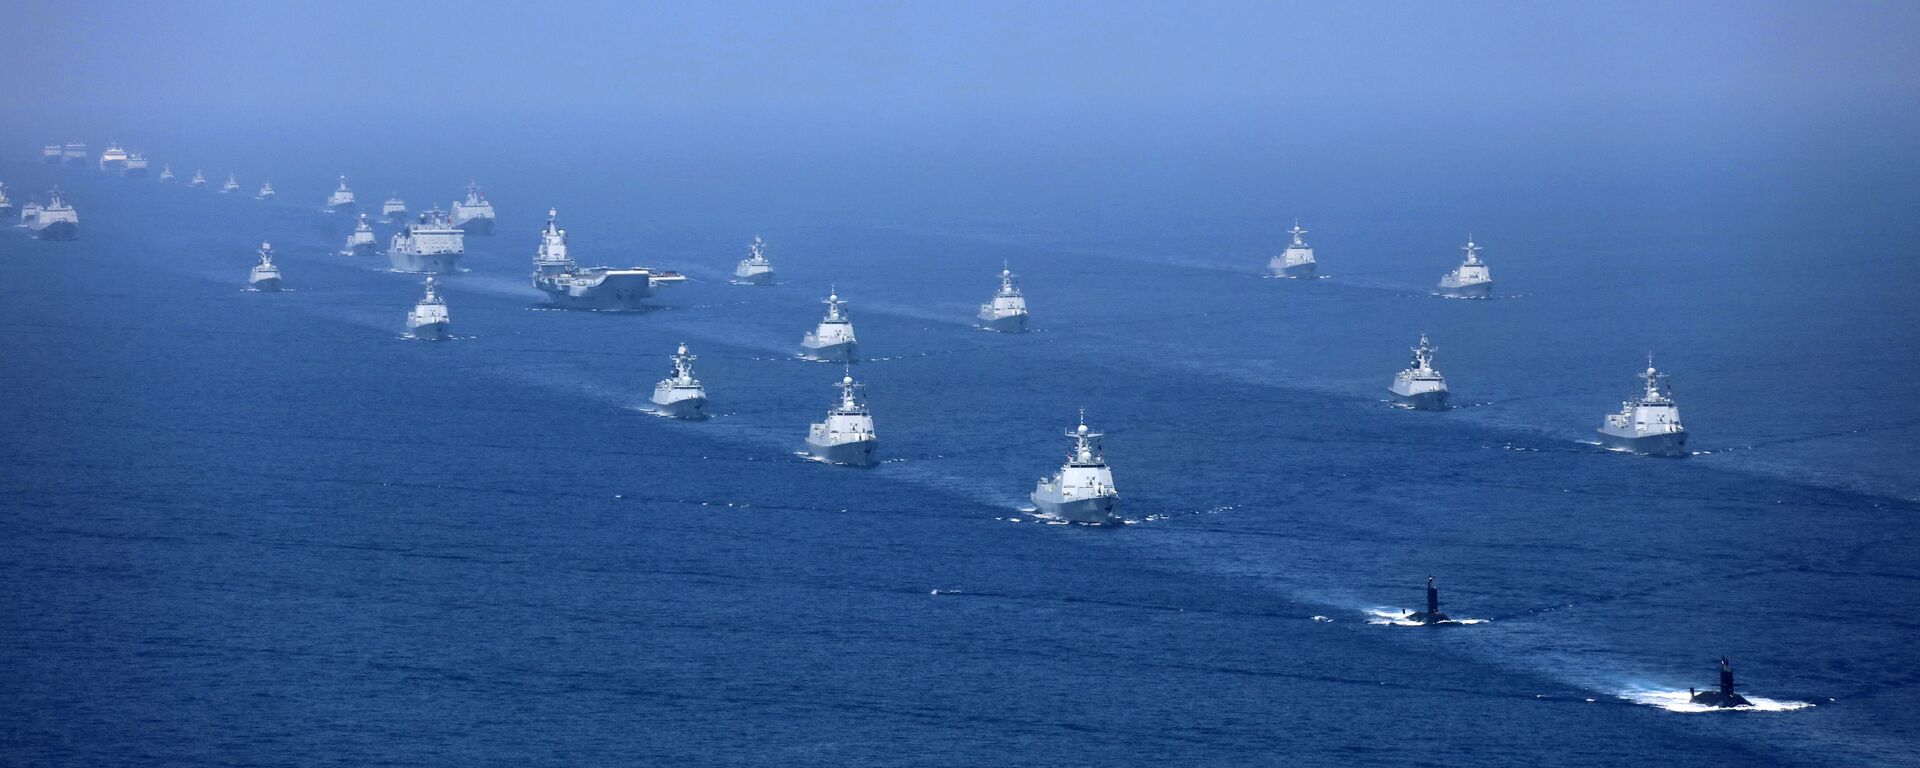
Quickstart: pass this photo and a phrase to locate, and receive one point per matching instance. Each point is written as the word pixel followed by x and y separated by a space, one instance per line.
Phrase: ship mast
pixel 1297 232
pixel 1473 251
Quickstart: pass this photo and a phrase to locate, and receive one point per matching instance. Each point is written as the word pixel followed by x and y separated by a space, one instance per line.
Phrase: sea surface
pixel 264 529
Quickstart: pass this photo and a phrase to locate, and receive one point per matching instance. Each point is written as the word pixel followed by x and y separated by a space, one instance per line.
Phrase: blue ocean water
pixel 265 529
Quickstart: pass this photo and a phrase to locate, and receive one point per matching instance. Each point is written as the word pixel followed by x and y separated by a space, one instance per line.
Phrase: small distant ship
pixel 50 154
pixel 569 285
pixel 1470 280
pixel 1649 425
pixel 1420 387
pixel 1297 260
pixel 680 394
pixel 847 436
pixel 265 276
pixel 1007 312
pixel 197 180
pixel 113 159
pixel 1432 615
pixel 475 214
pixel 1082 491
pixel 266 191
pixel 166 173
pixel 428 245
pixel 74 153
pixel 6 206
pixel 1725 697
pixel 394 210
pixel 341 199
pixel 429 319
pixel 232 185
pixel 361 241
pixel 754 269
pixel 54 221
pixel 832 340
pixel 136 166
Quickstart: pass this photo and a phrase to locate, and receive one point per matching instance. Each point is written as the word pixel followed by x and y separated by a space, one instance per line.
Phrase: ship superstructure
pixel 266 191
pixel 1007 311
pixel 475 214
pixel 341 199
pixel 1649 424
pixel 1082 491
pixel 755 269
pixel 431 244
pixel 361 241
pixel 265 276
pixel 1297 260
pixel 6 205
pixel 232 185
pixel 680 394
pixel 74 153
pixel 198 180
pixel 394 210
pixel 569 285
pixel 429 319
pixel 832 340
pixel 1470 280
pixel 847 436
pixel 54 221
pixel 1420 387
pixel 136 166
pixel 114 158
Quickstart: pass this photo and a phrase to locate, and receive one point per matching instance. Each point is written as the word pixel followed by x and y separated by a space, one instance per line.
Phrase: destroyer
pixel 1297 259
pixel 232 185
pixel 754 269
pixel 54 221
pixel 1470 280
pixel 429 319
pixel 136 166
pixel 1420 387
pixel 266 191
pixel 75 153
pixel 572 286
pixel 1082 491
pixel 341 199
pixel 1649 425
pixel 847 436
pixel 1007 312
pixel 394 210
pixel 475 214
pixel 166 173
pixel 832 340
pixel 265 276
pixel 197 181
pixel 114 158
pixel 1724 698
pixel 428 245
pixel 361 241
pixel 679 394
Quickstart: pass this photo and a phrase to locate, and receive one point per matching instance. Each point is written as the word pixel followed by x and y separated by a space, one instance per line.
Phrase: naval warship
pixel 54 221
pixel 1470 280
pixel 428 245
pixel 113 158
pixel 341 199
pixel 360 242
pixel 1082 491
pixel 50 154
pixel 1297 259
pixel 1420 387
pixel 429 320
pixel 166 173
pixel 74 153
pixel 1724 698
pixel 572 286
pixel 265 276
pixel 197 181
pixel 832 340
pixel 475 214
pixel 847 436
pixel 136 167
pixel 6 206
pixel 1649 425
pixel 394 210
pixel 754 269
pixel 232 185
pixel 1007 312
pixel 266 191
pixel 679 394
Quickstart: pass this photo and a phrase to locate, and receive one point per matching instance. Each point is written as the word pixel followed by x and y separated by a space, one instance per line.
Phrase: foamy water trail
pixel 1681 701
pixel 1401 617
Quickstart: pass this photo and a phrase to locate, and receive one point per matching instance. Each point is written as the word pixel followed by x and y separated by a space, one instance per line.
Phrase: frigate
pixel 754 269
pixel 1297 260
pixel 361 241
pixel 429 320
pixel 832 340
pixel 266 191
pixel 166 173
pixel 198 180
pixel 50 154
pixel 74 153
pixel 394 210
pixel 1007 311
pixel 428 245
pixel 265 276
pixel 113 158
pixel 6 206
pixel 1082 491
pixel 232 185
pixel 136 167
pixel 1649 425
pixel 1470 280
pixel 847 436
pixel 475 214
pixel 1420 387
pixel 341 199
pixel 1724 697
pixel 680 394
pixel 569 285
pixel 54 221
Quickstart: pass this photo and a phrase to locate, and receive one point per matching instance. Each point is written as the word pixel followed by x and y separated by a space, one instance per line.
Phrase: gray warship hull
pixel 1008 324
pixel 831 353
pixel 859 454
pixel 689 408
pixel 1424 401
pixel 1300 271
pixel 269 285
pixel 361 249
pixel 616 292
pixel 432 331
pixel 341 208
pixel 1668 444
pixel 1474 291
pixel 59 230
pixel 759 278
pixel 1103 510
pixel 436 263
pixel 480 226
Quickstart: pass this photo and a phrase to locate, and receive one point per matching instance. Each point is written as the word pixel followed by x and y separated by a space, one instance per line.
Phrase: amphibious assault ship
pixel 1007 312
pixel 572 286
pixel 1724 698
pixel 475 214
pixel 265 276
pixel 1649 425
pixel 394 210
pixel 1420 387
pixel 1297 260
pixel 360 242
pixel 232 185
pixel 113 158
pixel 1470 280
pixel 832 340
pixel 136 167
pixel 847 436
pixel 754 269
pixel 679 394
pixel 341 199
pixel 428 245
pixel 429 319
pixel 54 221
pixel 1082 491
pixel 266 191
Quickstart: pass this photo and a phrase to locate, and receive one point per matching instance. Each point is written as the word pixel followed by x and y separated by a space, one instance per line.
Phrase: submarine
pixel 1432 615
pixel 1725 697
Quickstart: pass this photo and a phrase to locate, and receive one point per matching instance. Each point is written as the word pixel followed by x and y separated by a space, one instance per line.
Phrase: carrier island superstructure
pixel 1649 424
pixel 429 245
pixel 847 436
pixel 1082 491
pixel 1297 260
pixel 571 286
pixel 832 340
pixel 680 394
pixel 1006 312
pixel 1420 387
pixel 1470 280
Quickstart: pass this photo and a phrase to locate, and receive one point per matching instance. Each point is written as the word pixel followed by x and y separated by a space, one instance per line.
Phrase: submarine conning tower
pixel 1433 598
